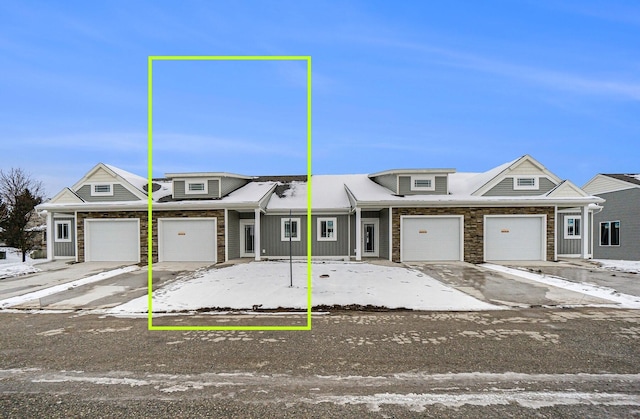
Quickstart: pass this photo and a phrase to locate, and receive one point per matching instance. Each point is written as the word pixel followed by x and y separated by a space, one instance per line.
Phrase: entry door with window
pixel 370 237
pixel 247 234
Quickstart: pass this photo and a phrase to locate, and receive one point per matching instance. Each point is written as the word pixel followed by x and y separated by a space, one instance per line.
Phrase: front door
pixel 370 237
pixel 247 231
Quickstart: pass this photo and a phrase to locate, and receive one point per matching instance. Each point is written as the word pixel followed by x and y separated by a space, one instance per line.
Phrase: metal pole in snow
pixel 290 253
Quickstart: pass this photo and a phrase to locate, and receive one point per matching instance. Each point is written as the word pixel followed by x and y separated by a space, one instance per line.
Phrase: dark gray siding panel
pixel 505 188
pixel 179 190
pixel 567 246
pixel 440 187
pixel 120 193
pixel 388 181
pixel 247 215
pixel 233 234
pixel 623 206
pixel 270 239
pixel 230 184
pixel 370 214
pixel 64 249
pixel 383 246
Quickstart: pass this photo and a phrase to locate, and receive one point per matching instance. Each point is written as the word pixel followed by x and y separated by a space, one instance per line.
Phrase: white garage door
pixel 514 238
pixel 431 238
pixel 187 239
pixel 112 240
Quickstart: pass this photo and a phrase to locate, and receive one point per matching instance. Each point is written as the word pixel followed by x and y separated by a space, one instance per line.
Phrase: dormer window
pixel 525 182
pixel 102 189
pixel 196 187
pixel 423 183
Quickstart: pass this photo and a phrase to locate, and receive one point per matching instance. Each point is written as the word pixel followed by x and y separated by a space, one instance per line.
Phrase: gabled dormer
pixel 106 183
pixel 414 181
pixel 522 177
pixel 205 185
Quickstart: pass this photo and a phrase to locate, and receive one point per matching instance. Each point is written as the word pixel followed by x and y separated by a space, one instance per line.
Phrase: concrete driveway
pixel 501 288
pixel 104 293
pixel 583 271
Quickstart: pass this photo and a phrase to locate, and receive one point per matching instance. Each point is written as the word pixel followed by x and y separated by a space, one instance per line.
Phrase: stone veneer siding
pixel 474 226
pixel 142 215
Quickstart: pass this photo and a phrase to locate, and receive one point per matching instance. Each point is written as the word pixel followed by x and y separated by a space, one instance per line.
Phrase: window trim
pixel 59 239
pixel 535 186
pixel 430 178
pixel 97 193
pixel 609 232
pixel 319 222
pixel 568 236
pixel 189 182
pixel 283 222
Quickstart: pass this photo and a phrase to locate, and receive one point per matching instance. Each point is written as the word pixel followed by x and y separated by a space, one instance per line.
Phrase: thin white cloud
pixel 541 76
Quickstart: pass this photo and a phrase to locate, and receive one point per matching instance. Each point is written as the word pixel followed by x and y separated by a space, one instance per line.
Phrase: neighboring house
pixel 617 226
pixel 506 213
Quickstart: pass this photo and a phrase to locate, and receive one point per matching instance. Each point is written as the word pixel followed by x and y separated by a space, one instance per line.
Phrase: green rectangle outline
pixel 150 61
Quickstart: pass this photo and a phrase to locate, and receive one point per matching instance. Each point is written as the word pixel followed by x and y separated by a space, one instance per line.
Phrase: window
pixel 63 231
pixel 610 233
pixel 101 189
pixel 290 229
pixel 572 227
pixel 327 229
pixel 199 186
pixel 525 182
pixel 423 183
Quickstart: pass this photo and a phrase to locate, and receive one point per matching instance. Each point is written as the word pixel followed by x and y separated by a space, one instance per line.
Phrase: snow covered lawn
pixel 266 284
pixel 632 266
pixel 13 266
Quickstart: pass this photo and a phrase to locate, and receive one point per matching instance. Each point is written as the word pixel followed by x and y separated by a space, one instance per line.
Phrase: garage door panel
pixel 187 240
pixel 514 238
pixel 112 240
pixel 431 239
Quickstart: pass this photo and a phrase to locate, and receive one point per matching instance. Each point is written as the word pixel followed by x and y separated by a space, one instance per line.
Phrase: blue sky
pixel 468 85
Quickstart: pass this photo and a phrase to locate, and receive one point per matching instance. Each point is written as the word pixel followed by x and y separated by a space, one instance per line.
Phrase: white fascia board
pixel 500 202
pixel 413 172
pixel 264 201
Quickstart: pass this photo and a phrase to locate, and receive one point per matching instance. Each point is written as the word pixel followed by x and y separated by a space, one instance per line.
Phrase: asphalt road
pixel 516 363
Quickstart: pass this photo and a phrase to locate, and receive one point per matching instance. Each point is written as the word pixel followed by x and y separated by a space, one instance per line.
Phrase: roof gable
pixel 525 165
pixel 603 183
pixel 567 189
pixel 111 174
pixel 65 196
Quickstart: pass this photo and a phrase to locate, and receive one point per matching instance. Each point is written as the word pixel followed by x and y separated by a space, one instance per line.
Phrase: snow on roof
pixel 137 181
pixel 470 184
pixel 250 193
pixel 328 193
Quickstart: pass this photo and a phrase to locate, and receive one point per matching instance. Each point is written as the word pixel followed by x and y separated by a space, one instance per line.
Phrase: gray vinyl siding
pixel 388 181
pixel 233 234
pixel 120 193
pixel 623 206
pixel 270 237
pixel 383 242
pixel 568 246
pixel 505 188
pixel 179 190
pixel 64 249
pixel 440 186
pixel 230 184
pixel 247 215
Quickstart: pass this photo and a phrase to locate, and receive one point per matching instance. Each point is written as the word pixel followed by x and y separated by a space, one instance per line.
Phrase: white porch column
pixel 226 235
pixel 358 235
pixel 586 229
pixel 50 236
pixel 256 235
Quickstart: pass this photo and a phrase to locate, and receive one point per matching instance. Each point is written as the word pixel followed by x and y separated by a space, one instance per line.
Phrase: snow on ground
pixel 624 300
pixel 632 266
pixel 19 299
pixel 267 284
pixel 13 265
